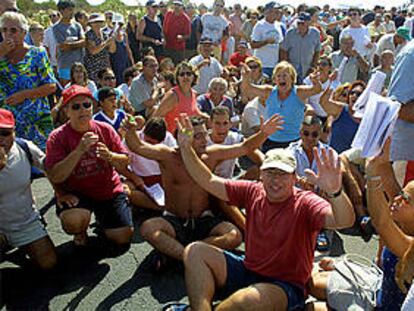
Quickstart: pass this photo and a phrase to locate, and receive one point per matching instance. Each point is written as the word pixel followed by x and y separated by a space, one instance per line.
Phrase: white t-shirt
pixel 251 116
pixel 207 73
pixel 17 207
pixel 361 38
pixel 225 168
pixel 124 88
pixel 49 41
pixel 268 54
pixel 143 167
pixel 314 100
pixel 213 27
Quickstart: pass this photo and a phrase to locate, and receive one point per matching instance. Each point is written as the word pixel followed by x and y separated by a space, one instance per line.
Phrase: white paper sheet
pixel 375 85
pixel 156 193
pixel 341 69
pixel 376 126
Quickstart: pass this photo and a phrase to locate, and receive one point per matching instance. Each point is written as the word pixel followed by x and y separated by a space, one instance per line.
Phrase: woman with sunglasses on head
pixel 181 98
pixel 26 79
pixel 345 125
pixel 98 46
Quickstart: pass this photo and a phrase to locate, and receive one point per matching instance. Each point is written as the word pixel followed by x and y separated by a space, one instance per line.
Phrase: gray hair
pixel 19 18
pixel 219 81
pixel 346 37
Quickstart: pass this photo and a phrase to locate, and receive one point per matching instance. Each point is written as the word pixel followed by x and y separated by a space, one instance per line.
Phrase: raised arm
pixel 262 91
pixel 195 167
pixel 331 107
pixel 329 179
pixel 167 104
pixel 306 91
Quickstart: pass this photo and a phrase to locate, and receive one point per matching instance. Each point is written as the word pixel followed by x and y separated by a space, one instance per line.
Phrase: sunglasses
pixel 109 78
pixel 53 15
pixel 353 14
pixel 85 105
pixel 5 133
pixel 355 93
pixel 313 134
pixel 12 30
pixel 185 73
pixel 253 67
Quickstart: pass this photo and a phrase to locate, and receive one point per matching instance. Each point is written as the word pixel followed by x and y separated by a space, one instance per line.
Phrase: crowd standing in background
pixel 242 118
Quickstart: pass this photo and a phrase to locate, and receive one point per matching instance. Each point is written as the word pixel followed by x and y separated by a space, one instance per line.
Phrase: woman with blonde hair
pixel 284 99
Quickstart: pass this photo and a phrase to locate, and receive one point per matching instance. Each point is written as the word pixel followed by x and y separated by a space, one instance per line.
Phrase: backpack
pixel 35 173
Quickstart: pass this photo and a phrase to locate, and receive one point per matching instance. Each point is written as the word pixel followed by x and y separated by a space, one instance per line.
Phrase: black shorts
pixel 188 230
pixel 110 214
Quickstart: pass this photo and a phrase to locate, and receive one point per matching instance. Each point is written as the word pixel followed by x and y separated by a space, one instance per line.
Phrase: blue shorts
pixel 239 277
pixel 64 73
pixel 110 214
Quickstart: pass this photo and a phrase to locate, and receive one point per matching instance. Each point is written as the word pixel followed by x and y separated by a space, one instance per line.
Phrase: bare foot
pixel 80 239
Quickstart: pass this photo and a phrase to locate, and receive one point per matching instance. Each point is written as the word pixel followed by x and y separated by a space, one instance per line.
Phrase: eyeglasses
pixel 356 93
pixel 5 133
pixel 313 134
pixel 185 73
pixel 85 105
pixel 12 30
pixel 219 5
pixel 353 14
pixel 109 78
pixel 253 67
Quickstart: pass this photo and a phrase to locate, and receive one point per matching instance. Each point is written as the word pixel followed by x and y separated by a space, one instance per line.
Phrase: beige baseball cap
pixel 282 159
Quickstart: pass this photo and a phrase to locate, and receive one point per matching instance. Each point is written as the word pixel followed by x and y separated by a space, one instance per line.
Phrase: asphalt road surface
pixel 96 278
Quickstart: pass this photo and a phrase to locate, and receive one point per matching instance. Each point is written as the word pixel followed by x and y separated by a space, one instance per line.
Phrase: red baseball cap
pixel 6 119
pixel 73 91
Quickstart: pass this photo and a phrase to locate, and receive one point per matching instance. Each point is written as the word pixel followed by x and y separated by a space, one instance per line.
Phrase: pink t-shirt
pixel 280 237
pixel 92 177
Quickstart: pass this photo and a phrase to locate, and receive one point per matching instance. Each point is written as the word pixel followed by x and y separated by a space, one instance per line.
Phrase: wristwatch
pixel 334 195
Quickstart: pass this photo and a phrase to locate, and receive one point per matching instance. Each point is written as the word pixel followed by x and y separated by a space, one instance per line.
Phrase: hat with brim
pixel 74 91
pixel 271 5
pixel 96 18
pixel 304 17
pixel 282 159
pixel 404 32
pixel 243 43
pixel 151 3
pixel 6 119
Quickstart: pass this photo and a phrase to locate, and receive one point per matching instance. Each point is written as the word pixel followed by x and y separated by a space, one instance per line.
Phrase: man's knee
pixel 152 228
pixel 120 236
pixel 75 220
pixel 193 251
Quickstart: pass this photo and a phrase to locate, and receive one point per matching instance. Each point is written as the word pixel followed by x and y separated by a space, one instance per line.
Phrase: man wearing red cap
pixel 20 222
pixel 80 160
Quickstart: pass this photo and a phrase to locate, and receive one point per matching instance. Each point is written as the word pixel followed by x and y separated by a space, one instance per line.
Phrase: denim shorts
pixel 30 233
pixel 239 277
pixel 110 214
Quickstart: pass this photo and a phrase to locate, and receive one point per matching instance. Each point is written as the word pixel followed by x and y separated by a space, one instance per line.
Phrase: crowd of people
pixel 231 125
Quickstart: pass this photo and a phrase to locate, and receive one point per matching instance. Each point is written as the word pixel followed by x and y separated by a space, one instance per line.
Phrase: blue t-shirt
pixel 343 131
pixel 292 109
pixel 115 122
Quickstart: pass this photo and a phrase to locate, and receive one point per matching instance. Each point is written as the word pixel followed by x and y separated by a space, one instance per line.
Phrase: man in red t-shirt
pixel 80 160
pixel 282 224
pixel 177 30
pixel 240 55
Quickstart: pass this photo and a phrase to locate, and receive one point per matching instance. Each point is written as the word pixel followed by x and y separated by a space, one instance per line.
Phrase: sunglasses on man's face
pixel 5 133
pixel 313 134
pixel 185 73
pixel 77 106
pixel 109 78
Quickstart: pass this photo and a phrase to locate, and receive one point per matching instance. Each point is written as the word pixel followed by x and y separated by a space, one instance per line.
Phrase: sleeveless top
pixel 343 131
pixel 185 104
pixel 153 30
pixel 292 109
pixel 120 60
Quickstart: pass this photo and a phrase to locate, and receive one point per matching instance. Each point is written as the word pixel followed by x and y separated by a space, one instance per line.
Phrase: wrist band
pixel 334 195
pixel 373 178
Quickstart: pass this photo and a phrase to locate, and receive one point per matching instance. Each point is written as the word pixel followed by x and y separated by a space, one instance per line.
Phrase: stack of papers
pixel 156 193
pixel 376 126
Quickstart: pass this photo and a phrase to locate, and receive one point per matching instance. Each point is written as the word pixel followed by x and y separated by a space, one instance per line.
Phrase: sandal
pixel 175 306
pixel 322 242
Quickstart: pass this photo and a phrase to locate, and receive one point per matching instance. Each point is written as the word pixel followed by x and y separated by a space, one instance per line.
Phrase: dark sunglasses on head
pixel 13 30
pixel 108 78
pixel 5 133
pixel 313 134
pixel 85 105
pixel 185 73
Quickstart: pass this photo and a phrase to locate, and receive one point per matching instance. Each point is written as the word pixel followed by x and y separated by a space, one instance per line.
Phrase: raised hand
pixel 272 125
pixel 374 165
pixel 103 152
pixel 87 141
pixel 404 272
pixel 131 123
pixel 185 130
pixel 245 73
pixel 329 177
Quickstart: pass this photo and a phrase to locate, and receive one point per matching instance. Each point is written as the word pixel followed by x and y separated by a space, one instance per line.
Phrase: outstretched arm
pixel 195 167
pixel 329 179
pixel 261 91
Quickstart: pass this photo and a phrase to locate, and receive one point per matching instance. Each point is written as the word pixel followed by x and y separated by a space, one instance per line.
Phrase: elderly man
pixel 143 93
pixel 20 222
pixel 275 269
pixel 80 159
pixel 355 62
pixel 393 42
pixel 177 29
pixel 266 37
pixel 302 46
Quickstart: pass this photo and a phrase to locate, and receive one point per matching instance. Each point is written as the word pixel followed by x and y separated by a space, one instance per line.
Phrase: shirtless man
pixel 187 215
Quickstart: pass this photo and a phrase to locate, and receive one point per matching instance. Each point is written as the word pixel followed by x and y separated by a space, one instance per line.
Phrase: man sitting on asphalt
pixel 20 222
pixel 80 159
pixel 282 225
pixel 188 216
